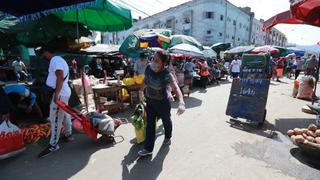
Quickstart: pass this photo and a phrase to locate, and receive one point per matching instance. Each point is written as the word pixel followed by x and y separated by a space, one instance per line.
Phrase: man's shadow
pixel 143 167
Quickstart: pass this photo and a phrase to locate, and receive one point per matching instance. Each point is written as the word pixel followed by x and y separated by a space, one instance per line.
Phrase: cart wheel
pixel 263 120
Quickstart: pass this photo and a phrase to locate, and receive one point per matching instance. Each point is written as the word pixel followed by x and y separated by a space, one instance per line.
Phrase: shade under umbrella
pixel 183 39
pixel 240 50
pixel 104 15
pixel 187 49
pixel 34 9
pixel 265 49
pixel 48 28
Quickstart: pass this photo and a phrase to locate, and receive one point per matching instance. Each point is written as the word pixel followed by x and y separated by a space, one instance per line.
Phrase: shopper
pixel 22 98
pixel 58 80
pixel 204 73
pixel 300 67
pixel 20 69
pixel 235 67
pixel 157 78
pixel 141 64
pixel 280 66
pixel 311 66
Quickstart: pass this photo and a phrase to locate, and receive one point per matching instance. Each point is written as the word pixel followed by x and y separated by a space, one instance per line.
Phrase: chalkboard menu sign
pixel 249 93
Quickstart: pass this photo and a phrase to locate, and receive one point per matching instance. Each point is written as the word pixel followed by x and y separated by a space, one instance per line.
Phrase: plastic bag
pixel 306 88
pixel 11 140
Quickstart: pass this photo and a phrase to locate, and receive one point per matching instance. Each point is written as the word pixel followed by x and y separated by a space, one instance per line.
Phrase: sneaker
pixel 50 149
pixel 67 138
pixel 166 141
pixel 144 152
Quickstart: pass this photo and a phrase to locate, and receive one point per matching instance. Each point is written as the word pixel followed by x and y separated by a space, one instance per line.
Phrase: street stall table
pixel 249 93
pixel 135 94
pixel 107 98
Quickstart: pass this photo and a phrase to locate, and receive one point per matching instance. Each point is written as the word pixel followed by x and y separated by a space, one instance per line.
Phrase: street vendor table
pixel 135 94
pixel 107 98
pixel 6 73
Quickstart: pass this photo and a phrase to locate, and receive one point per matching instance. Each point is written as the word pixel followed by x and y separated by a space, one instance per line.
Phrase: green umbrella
pixel 103 16
pixel 130 46
pixel 283 51
pixel 183 39
pixel 48 28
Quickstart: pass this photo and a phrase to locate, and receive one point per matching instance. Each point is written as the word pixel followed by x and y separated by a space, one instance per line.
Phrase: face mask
pixel 155 66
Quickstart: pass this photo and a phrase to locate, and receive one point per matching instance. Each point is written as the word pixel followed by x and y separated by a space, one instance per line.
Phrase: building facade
pixel 209 21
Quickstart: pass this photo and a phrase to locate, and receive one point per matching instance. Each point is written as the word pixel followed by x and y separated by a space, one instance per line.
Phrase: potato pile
pixel 305 135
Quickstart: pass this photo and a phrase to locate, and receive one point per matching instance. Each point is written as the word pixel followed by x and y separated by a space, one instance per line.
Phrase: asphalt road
pixel 204 146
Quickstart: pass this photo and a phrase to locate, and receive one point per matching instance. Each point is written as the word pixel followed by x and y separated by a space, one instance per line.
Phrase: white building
pixel 209 21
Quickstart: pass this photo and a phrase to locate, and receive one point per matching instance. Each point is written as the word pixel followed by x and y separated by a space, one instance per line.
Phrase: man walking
pixel 235 67
pixel 58 80
pixel 20 69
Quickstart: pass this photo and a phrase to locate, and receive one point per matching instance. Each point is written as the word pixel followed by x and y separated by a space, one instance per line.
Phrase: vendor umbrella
pixel 240 50
pixel 282 51
pixel 34 9
pixel 183 39
pixel 298 52
pixel 152 39
pixel 48 28
pixel 307 11
pixel 220 47
pixel 265 49
pixel 187 49
pixel 208 52
pixel 103 15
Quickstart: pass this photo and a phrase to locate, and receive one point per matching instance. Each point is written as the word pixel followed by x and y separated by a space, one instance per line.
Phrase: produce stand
pixel 107 98
pixel 249 93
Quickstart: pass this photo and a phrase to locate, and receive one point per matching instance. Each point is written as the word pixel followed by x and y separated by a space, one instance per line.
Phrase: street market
pixel 65 93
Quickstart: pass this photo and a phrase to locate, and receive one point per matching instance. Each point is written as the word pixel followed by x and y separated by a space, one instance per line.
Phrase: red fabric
pixel 204 70
pixel 282 18
pixel 308 11
pixel 265 49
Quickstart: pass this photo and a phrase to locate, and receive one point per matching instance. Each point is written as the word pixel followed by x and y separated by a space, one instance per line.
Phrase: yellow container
pixel 139 79
pixel 129 81
pixel 140 135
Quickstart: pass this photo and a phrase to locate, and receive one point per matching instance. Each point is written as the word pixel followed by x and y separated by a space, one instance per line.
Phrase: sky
pixel 298 34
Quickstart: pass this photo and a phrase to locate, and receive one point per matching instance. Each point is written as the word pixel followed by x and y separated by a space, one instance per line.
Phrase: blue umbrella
pixel 298 52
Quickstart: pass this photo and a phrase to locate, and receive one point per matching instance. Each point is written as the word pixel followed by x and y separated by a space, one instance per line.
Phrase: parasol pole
pixel 78 38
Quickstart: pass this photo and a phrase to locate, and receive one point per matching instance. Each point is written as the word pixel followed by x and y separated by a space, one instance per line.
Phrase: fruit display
pixel 308 136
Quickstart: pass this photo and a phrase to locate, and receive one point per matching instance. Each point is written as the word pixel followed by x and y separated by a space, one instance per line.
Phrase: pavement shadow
pixel 63 164
pixel 145 167
pixel 283 125
pixel 267 130
pixel 303 158
pixel 191 102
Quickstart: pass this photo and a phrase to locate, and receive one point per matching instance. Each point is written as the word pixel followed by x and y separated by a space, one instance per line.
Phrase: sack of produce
pixel 138 121
pixel 11 140
pixel 295 88
pixel 306 88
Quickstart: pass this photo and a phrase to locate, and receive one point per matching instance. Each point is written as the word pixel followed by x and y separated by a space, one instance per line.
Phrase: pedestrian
pixel 20 69
pixel 189 67
pixel 204 73
pixel 5 106
pixel 157 78
pixel 311 66
pixel 280 66
pixel 21 97
pixel 58 80
pixel 75 68
pixel 300 67
pixel 235 67
pixel 141 64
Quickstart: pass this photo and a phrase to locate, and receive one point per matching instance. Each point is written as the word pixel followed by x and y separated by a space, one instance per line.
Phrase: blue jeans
pixel 21 74
pixel 160 109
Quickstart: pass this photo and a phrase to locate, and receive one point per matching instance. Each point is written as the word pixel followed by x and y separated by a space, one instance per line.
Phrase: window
pixel 220 34
pixel 228 19
pixel 238 39
pixel 169 23
pixel 221 17
pixel 240 25
pixel 232 37
pixel 247 29
pixel 209 15
pixel 186 20
pixel 208 31
pixel 234 22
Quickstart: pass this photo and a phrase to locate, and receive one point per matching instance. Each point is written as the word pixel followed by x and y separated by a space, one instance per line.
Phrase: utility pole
pixel 225 21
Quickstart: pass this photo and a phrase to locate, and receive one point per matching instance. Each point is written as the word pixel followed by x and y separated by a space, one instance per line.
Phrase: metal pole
pixel 78 34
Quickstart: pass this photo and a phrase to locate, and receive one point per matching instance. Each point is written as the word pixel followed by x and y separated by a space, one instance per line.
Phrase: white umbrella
pixel 187 49
pixel 208 52
pixel 101 48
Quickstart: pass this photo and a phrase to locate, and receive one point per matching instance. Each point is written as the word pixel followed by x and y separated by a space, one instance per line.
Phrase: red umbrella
pixel 282 18
pixel 265 49
pixel 306 10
